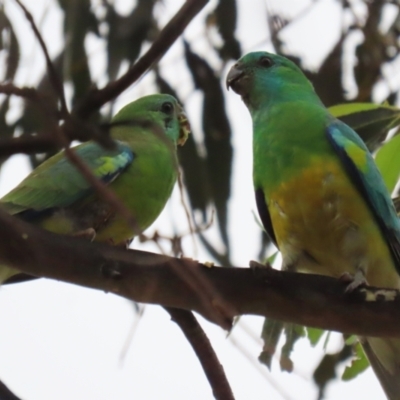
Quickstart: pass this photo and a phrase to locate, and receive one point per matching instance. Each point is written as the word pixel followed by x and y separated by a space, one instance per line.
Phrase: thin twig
pixel 54 78
pixel 201 345
pixel 25 92
pixel 98 97
pixel 132 331
pixel 186 209
pixel 27 145
pixel 6 393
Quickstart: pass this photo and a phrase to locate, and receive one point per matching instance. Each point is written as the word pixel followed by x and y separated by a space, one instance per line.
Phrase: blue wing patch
pixel 57 182
pixel 365 175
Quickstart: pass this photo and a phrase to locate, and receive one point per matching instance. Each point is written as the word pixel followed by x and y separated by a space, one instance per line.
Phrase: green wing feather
pixel 58 183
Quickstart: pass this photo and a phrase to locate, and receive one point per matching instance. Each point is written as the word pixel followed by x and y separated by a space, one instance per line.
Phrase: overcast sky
pixel 59 341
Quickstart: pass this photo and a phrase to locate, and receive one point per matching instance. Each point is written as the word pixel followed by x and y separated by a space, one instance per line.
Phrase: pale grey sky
pixel 59 341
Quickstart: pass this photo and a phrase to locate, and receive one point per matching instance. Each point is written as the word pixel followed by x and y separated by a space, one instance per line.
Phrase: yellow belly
pixel 323 226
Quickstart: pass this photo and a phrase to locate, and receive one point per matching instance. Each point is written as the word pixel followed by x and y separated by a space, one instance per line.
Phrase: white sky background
pixel 59 341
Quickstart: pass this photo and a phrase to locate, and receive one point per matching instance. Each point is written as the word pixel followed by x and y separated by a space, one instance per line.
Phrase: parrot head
pixel 261 77
pixel 156 110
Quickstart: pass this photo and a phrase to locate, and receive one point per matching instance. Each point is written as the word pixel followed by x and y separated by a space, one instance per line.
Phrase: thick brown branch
pixel 305 299
pixel 97 98
pixel 201 345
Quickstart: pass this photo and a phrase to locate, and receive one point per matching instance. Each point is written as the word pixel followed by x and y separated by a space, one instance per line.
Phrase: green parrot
pixel 141 170
pixel 318 191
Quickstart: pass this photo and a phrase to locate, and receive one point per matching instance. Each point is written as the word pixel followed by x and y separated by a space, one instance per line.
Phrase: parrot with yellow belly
pixel 318 191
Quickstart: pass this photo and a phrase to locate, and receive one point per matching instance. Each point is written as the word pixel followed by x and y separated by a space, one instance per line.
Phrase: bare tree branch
pixel 305 299
pixel 201 345
pixel 98 97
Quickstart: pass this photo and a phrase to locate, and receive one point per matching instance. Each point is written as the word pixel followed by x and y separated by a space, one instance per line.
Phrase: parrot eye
pixel 265 62
pixel 167 107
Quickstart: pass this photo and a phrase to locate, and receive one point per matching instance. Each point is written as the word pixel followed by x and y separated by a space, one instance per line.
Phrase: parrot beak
pixel 234 77
pixel 184 130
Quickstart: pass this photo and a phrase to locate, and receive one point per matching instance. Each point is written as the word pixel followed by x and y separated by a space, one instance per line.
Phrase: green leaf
pixel 271 332
pixel 358 364
pixel 326 371
pixel 388 161
pixel 351 340
pixel 272 257
pixel 127 34
pixel 314 335
pixel 217 137
pixel 371 121
pixel 78 21
pixel 225 17
pixel 293 333
pixel 266 245
pixel 328 336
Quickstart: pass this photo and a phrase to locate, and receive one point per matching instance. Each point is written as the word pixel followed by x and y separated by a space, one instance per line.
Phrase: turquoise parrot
pixel 318 191
pixel 141 170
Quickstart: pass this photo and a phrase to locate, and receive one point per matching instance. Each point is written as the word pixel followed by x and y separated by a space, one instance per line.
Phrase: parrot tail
pixel 384 356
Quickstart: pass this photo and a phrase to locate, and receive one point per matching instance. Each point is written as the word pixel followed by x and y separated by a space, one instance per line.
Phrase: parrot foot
pixel 355 281
pixel 88 233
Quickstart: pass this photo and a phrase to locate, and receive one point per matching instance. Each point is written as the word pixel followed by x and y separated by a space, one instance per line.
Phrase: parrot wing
pixel 58 183
pixel 265 217
pixel 363 172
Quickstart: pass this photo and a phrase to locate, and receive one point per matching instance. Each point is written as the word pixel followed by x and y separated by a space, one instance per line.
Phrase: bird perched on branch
pixel 318 191
pixel 140 170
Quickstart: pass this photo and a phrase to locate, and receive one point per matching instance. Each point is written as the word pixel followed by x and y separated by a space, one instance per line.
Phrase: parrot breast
pixel 322 225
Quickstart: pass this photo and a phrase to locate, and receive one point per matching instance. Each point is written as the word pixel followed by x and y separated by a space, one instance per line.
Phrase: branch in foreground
pixel 306 299
pixel 175 27
pixel 201 345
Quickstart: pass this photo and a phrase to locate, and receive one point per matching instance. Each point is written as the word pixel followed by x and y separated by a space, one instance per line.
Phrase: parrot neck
pixel 273 90
pixel 268 99
pixel 141 134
